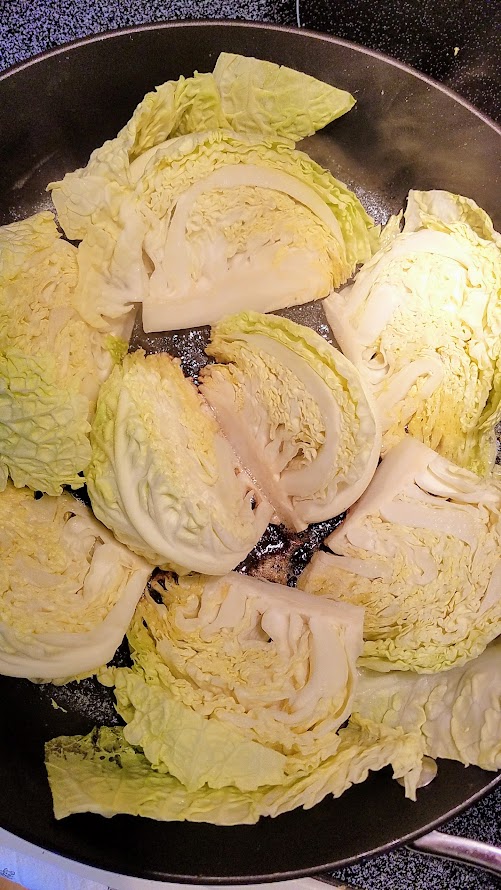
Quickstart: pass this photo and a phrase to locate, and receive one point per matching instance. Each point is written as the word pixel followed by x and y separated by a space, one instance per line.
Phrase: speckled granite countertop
pixel 457 43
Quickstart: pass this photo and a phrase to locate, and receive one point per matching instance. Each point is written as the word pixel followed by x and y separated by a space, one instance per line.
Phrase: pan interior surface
pixel 405 132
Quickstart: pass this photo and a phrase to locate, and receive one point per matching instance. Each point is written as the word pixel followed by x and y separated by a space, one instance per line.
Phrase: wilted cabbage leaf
pixel 68 590
pixel 296 412
pixel 102 773
pixel 421 551
pixel 457 712
pixel 51 361
pixel 268 99
pixel 232 710
pixel 163 478
pixel 422 323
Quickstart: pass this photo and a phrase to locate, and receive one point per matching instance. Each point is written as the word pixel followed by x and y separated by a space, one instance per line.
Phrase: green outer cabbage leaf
pixel 273 100
pixel 296 412
pixel 68 590
pixel 457 712
pixel 422 323
pixel 51 362
pixel 421 551
pixel 101 773
pixel 162 476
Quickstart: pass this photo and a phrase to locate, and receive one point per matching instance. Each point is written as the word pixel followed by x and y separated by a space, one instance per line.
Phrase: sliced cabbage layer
pixel 422 323
pixel 421 551
pixel 68 590
pixel 296 412
pixel 162 476
pixel 457 712
pixel 272 663
pixel 51 362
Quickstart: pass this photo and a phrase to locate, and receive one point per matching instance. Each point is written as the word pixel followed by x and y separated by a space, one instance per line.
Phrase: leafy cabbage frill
pixel 421 551
pixel 422 323
pixel 296 412
pixel 162 476
pixel 68 590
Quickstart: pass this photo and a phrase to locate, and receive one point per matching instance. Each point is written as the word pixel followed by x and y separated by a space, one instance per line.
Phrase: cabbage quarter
pixel 297 413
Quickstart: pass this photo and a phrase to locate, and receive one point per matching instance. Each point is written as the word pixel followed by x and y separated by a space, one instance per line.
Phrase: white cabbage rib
pixel 296 412
pixel 421 551
pixel 68 590
pixel 163 477
pixel 422 323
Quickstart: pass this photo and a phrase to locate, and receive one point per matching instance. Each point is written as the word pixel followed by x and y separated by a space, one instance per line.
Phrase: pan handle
pixel 461 849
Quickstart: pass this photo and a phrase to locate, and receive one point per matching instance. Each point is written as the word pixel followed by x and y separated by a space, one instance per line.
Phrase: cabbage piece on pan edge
pixel 68 589
pixel 422 323
pixel 163 478
pixel 296 412
pixel 421 551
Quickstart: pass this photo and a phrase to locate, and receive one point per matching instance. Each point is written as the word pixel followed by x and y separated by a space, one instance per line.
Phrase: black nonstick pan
pixel 404 132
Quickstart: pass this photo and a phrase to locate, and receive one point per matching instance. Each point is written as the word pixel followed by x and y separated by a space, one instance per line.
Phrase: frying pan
pixel 405 131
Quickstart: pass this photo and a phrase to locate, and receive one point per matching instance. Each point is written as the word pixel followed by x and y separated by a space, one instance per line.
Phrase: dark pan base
pixel 405 132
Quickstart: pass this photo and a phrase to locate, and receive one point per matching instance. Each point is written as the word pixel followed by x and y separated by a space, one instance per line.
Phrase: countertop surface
pixel 457 43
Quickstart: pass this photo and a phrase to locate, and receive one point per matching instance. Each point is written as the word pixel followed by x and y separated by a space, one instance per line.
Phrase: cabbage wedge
pixel 270 663
pixel 106 204
pixel 51 362
pixel 421 551
pixel 296 412
pixel 68 590
pixel 162 476
pixel 236 224
pixel 422 323
pixel 233 709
